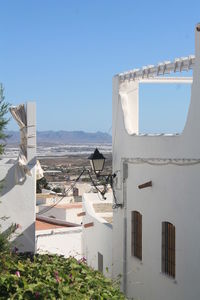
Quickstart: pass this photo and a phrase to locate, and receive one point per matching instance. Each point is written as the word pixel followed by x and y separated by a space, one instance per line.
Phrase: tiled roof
pixel 41 225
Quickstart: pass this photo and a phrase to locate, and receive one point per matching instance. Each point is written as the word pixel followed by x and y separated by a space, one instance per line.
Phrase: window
pixel 168 249
pixel 136 234
pixel 100 262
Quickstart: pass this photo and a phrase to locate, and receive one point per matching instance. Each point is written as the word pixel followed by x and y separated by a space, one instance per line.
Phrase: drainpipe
pixel 125 176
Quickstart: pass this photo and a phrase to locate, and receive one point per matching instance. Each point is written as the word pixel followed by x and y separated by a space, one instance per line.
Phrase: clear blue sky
pixel 63 55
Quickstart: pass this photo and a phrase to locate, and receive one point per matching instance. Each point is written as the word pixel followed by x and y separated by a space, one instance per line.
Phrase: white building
pixel 63 211
pixel 153 242
pixel 18 195
pixel 61 240
pixel 156 245
pixel 97 232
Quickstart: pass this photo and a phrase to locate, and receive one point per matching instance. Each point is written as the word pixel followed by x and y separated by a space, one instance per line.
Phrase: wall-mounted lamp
pixel 97 162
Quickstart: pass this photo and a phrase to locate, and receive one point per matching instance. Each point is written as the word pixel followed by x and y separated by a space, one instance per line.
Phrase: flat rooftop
pixel 66 205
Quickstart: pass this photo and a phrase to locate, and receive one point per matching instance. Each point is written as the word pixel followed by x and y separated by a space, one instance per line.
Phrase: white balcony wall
pixel 18 200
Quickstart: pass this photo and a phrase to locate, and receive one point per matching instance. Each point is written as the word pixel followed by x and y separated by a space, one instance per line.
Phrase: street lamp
pixel 97 161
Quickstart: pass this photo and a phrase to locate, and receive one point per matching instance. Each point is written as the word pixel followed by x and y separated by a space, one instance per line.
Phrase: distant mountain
pixel 63 137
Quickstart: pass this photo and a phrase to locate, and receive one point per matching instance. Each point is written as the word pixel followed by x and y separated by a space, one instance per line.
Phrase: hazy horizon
pixel 64 54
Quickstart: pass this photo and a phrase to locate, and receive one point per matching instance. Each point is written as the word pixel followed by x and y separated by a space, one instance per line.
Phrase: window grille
pixel 168 249
pixel 136 234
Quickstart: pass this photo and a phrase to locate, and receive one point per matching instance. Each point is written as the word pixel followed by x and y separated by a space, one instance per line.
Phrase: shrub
pixel 26 276
pixel 3 120
pixel 41 184
pixel 4 244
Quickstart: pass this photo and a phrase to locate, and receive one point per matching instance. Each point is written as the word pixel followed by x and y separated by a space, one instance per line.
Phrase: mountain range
pixel 63 137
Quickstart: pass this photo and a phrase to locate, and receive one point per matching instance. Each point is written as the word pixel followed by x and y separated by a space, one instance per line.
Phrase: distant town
pixel 62 163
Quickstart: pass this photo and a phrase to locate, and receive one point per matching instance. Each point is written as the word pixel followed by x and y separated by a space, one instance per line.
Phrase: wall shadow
pixel 25 240
pixel 12 177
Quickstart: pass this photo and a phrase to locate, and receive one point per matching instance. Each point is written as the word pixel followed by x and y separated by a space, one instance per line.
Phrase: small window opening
pixel 168 249
pixel 136 234
pixel 100 262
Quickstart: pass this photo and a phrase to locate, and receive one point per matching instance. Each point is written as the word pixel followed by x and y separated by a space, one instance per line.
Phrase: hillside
pixel 64 137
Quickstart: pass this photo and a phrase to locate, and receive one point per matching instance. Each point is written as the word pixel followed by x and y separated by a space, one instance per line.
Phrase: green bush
pixel 3 120
pixel 52 277
pixel 57 190
pixel 4 244
pixel 41 184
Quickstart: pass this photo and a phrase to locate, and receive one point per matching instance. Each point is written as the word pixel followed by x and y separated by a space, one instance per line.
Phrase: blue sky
pixel 63 55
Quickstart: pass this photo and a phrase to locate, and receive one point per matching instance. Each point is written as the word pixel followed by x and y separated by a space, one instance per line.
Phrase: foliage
pixel 42 184
pixel 85 179
pixel 4 244
pixel 26 276
pixel 3 120
pixel 57 190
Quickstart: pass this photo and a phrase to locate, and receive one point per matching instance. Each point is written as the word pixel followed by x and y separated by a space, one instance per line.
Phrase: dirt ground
pixel 69 166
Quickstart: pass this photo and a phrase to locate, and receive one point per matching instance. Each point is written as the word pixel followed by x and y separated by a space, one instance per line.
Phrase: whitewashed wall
pixel 97 238
pixel 55 212
pixel 174 197
pixel 62 241
pixel 18 200
pixel 65 214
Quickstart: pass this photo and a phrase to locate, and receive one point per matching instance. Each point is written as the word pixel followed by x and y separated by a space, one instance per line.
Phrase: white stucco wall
pixel 62 241
pixel 173 198
pixel 58 213
pixel 65 214
pixel 97 238
pixel 18 200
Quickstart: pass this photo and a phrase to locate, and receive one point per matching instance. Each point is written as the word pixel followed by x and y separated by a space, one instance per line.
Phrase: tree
pixel 3 122
pixel 42 184
pixel 3 119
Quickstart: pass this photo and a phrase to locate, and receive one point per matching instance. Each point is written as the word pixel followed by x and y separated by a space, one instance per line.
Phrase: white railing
pixel 167 67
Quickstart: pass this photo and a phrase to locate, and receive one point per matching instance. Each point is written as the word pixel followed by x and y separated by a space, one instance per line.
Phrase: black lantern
pixel 97 161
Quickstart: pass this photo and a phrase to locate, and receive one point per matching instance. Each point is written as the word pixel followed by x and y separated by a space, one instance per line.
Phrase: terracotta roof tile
pixel 41 225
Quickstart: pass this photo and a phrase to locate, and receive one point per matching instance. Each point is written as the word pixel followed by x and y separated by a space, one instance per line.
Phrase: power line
pixel 71 187
pixel 68 190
